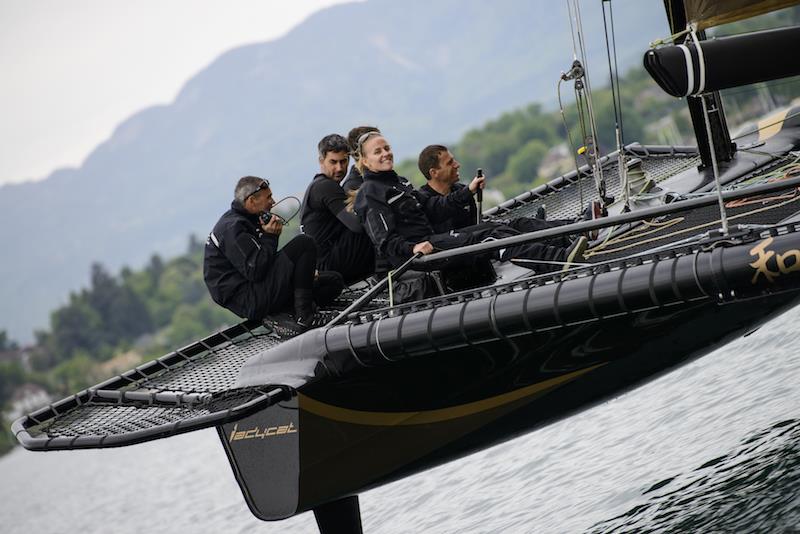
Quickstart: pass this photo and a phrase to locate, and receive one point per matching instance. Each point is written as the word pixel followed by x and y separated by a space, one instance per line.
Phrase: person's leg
pixel 353 256
pixel 529 224
pixel 302 251
pixel 540 256
pixel 327 286
pixel 545 258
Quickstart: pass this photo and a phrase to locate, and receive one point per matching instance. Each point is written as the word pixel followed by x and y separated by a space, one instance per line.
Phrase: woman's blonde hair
pixel 359 155
pixel 350 201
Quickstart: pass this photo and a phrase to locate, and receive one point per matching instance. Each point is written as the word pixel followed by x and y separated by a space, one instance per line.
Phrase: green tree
pixel 77 326
pixel 74 374
pixel 523 166
pixel 11 376
pixel 7 441
pixel 6 343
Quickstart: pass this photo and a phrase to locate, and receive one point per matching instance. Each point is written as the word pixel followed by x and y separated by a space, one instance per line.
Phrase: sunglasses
pixel 262 185
pixel 363 139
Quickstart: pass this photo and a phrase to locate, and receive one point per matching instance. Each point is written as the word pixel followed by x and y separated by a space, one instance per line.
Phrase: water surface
pixel 713 446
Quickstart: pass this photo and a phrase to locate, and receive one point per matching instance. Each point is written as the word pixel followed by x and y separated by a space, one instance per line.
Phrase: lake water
pixel 711 447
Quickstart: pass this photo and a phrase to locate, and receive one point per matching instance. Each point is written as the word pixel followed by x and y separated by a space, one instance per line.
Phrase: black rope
pixel 616 70
pixel 613 72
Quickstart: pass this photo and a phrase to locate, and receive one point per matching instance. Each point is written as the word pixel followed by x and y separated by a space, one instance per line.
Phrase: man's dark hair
pixel 332 143
pixel 429 159
pixel 246 186
pixel 355 133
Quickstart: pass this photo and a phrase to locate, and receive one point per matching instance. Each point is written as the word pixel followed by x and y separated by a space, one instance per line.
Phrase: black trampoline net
pixel 212 372
pixel 564 201
pixel 190 384
pixel 99 419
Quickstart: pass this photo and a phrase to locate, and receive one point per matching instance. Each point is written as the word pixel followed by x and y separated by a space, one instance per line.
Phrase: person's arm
pixel 335 200
pixel 251 255
pixel 379 223
pixel 439 208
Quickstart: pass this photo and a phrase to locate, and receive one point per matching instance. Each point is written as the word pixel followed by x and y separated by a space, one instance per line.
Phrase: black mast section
pixel 724 147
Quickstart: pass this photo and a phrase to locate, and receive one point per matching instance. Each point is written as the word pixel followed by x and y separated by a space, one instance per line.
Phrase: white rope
pixel 701 62
pixel 723 215
pixel 689 69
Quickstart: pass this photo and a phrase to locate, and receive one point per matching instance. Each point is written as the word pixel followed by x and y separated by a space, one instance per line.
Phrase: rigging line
pixel 611 71
pixel 572 31
pixel 617 100
pixel 635 234
pixel 700 226
pixel 596 168
pixel 572 148
pixel 714 165
pixel 616 71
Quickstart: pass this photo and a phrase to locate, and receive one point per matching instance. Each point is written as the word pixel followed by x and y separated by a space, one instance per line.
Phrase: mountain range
pixel 423 71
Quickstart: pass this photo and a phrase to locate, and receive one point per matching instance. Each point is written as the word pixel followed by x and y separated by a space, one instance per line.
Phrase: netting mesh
pixel 213 372
pixel 98 419
pixel 565 203
pixel 210 366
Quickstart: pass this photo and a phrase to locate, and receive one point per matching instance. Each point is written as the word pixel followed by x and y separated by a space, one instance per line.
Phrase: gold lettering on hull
pixel 258 433
pixel 787 262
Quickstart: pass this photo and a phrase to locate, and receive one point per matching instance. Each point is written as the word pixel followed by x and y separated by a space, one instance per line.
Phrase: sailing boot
pixel 328 285
pixel 304 310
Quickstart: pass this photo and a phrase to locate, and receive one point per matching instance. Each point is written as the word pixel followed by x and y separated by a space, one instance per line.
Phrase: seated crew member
pixel 389 208
pixel 353 181
pixel 243 268
pixel 450 204
pixel 341 242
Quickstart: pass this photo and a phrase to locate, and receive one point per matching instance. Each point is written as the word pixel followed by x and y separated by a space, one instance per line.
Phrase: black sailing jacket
pixel 394 214
pixel 237 254
pixel 448 212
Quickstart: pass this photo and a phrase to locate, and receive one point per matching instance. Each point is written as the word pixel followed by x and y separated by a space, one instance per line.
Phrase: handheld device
pixel 479 174
pixel 266 216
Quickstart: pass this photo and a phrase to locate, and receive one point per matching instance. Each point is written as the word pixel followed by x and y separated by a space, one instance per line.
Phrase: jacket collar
pixel 238 208
pixel 382 176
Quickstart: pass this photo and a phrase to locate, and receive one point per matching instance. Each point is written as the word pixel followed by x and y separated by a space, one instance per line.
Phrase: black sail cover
pixel 726 62
pixel 708 13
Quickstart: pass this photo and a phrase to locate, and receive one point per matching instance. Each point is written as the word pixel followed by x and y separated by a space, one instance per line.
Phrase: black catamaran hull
pixel 366 426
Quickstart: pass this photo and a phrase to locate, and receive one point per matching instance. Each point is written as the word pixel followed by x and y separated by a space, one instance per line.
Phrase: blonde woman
pixel 390 210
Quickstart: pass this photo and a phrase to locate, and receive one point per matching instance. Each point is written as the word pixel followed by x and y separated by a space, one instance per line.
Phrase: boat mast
pixel 724 148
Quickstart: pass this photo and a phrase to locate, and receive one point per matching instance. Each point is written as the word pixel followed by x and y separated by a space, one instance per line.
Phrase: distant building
pixel 21 356
pixel 9 356
pixel 556 162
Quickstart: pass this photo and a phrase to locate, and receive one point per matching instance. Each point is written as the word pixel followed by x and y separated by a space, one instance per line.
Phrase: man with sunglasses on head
pixel 342 244
pixel 243 268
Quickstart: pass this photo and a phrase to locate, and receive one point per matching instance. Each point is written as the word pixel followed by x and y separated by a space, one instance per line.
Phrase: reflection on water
pixel 755 487
pixel 712 447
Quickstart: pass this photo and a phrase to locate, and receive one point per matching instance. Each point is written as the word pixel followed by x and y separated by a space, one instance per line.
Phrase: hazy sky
pixel 74 69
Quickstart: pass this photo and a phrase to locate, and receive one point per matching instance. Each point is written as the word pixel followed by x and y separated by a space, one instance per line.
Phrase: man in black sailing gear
pixel 342 244
pixel 450 204
pixel 395 220
pixel 243 268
